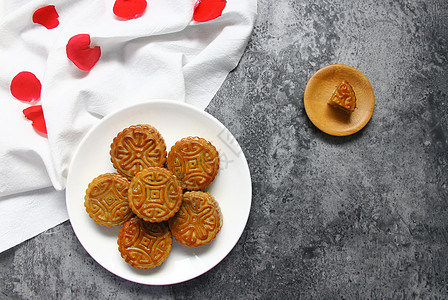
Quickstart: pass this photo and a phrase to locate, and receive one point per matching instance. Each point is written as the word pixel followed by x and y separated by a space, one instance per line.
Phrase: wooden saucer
pixel 333 121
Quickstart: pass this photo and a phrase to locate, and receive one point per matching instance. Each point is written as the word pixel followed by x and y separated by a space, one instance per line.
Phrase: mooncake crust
pixel 195 161
pixel 198 221
pixel 343 97
pixel 155 194
pixel 106 200
pixel 144 245
pixel 137 147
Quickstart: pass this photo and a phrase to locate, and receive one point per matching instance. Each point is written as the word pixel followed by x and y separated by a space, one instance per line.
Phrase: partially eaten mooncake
pixel 343 97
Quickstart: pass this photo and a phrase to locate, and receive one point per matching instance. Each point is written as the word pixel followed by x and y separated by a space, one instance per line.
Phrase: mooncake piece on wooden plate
pixel 343 97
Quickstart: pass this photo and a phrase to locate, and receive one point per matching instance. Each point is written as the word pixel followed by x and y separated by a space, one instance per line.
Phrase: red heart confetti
pixel 80 53
pixel 26 87
pixel 206 10
pixel 129 9
pixel 35 114
pixel 46 16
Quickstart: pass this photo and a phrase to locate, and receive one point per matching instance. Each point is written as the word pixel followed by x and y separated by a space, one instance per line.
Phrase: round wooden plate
pixel 331 120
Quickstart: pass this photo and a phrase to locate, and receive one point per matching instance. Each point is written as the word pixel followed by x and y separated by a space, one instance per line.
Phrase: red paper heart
pixel 206 10
pixel 46 16
pixel 129 9
pixel 35 114
pixel 80 53
pixel 26 87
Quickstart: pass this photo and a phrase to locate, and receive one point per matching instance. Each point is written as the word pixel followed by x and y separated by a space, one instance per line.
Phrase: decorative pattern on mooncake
pixel 144 245
pixel 198 221
pixel 195 161
pixel 106 200
pixel 136 148
pixel 344 97
pixel 155 194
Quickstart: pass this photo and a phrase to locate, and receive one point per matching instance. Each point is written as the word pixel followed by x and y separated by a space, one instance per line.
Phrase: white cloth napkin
pixel 161 55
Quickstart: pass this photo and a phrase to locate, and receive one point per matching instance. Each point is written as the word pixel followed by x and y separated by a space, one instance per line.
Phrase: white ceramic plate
pixel 232 188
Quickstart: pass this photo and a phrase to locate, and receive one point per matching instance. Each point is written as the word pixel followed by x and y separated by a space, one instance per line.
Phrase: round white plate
pixel 232 188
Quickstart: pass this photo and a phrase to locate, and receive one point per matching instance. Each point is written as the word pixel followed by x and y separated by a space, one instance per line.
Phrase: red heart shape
pixel 46 16
pixel 129 9
pixel 80 53
pixel 35 114
pixel 206 10
pixel 26 87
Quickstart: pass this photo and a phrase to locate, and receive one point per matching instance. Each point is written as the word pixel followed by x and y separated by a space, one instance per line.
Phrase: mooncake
pixel 155 194
pixel 195 161
pixel 144 245
pixel 106 200
pixel 343 97
pixel 198 221
pixel 136 148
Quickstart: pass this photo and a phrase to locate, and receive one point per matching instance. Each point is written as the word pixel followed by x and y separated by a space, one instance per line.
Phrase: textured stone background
pixel 364 216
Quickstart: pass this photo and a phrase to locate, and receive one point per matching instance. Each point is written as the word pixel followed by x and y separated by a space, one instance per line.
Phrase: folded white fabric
pixel 161 55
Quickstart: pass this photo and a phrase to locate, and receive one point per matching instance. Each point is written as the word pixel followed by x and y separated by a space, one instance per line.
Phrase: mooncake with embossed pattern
pixel 155 194
pixel 195 161
pixel 144 245
pixel 198 221
pixel 343 97
pixel 137 147
pixel 106 200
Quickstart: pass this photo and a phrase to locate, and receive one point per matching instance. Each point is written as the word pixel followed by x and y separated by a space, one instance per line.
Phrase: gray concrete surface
pixel 358 217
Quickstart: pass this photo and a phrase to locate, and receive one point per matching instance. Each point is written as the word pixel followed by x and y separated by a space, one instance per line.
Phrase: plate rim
pixel 130 108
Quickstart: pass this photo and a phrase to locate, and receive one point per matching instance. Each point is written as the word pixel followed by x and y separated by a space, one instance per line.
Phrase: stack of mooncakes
pixel 156 195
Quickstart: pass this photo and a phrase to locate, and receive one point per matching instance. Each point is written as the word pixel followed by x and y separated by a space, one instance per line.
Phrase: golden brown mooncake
pixel 106 200
pixel 195 161
pixel 198 221
pixel 343 97
pixel 144 245
pixel 136 148
pixel 155 194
